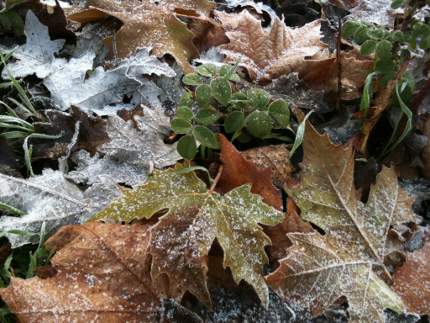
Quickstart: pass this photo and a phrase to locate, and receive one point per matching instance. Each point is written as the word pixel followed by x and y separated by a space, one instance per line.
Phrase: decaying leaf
pixel 195 218
pixel 91 133
pixel 37 55
pixel 150 24
pixel 238 171
pixel 278 233
pixel 320 269
pixel 275 157
pixel 51 199
pixel 131 151
pixel 269 53
pixel 412 281
pixel 102 275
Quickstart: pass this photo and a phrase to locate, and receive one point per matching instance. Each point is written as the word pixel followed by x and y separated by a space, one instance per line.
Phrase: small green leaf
pixel 280 111
pixel 206 137
pixel 187 147
pixel 234 121
pixel 186 99
pixel 349 28
pixel 184 112
pixel 259 124
pixel 259 98
pixel 300 134
pixel 383 49
pixel 192 79
pixel 208 70
pixel 203 95
pixel 207 116
pixel 360 35
pixel 221 90
pixel 180 126
pixel 397 4
pixel 368 47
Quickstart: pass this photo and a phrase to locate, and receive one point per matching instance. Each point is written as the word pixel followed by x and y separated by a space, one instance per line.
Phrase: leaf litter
pixel 248 233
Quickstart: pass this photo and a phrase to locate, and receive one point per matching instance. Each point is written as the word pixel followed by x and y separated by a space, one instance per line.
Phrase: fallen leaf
pixel 151 24
pixel 51 199
pixel 278 233
pixel 355 237
pixel 259 7
pixel 377 12
pixel 269 53
pixel 36 56
pixel 275 157
pixel 322 74
pixel 69 86
pixel 195 218
pixel 130 153
pixel 412 281
pixel 238 171
pixel 91 133
pixel 102 275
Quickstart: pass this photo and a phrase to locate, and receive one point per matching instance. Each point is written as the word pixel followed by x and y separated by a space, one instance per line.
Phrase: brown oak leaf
pixel 412 281
pixel 151 24
pixel 238 171
pixel 102 274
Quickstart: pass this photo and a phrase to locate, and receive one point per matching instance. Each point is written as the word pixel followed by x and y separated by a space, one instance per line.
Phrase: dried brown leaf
pixel 150 24
pixel 101 275
pixel 412 281
pixel 238 171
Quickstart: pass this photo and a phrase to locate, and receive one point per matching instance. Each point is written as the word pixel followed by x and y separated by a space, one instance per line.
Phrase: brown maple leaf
pixel 148 23
pixel 268 53
pixel 102 274
pixel 319 269
pixel 238 171
pixel 412 281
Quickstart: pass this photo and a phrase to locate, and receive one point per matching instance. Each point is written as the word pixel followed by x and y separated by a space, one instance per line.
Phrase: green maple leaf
pixel 194 218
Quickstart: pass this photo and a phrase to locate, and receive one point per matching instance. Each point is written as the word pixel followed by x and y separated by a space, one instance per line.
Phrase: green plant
pixel 16 121
pixel 215 104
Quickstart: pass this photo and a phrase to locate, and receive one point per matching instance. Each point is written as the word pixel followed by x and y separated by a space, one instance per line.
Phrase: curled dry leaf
pixel 412 281
pixel 342 262
pixel 102 275
pixel 195 218
pixel 275 157
pixel 238 171
pixel 150 24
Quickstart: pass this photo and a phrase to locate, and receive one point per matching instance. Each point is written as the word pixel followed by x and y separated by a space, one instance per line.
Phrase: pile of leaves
pixel 228 161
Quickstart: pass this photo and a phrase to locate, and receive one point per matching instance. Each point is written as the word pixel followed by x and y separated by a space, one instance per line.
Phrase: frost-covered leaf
pixel 101 275
pixel 69 86
pixel 142 63
pixel 377 12
pixel 131 152
pixel 152 23
pixel 259 7
pixel 36 56
pixel 48 198
pixel 195 218
pixel 319 269
pixel 412 281
pixel 341 262
pixel 271 52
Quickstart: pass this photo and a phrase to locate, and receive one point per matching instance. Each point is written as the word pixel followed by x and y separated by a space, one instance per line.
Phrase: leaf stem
pixel 216 179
